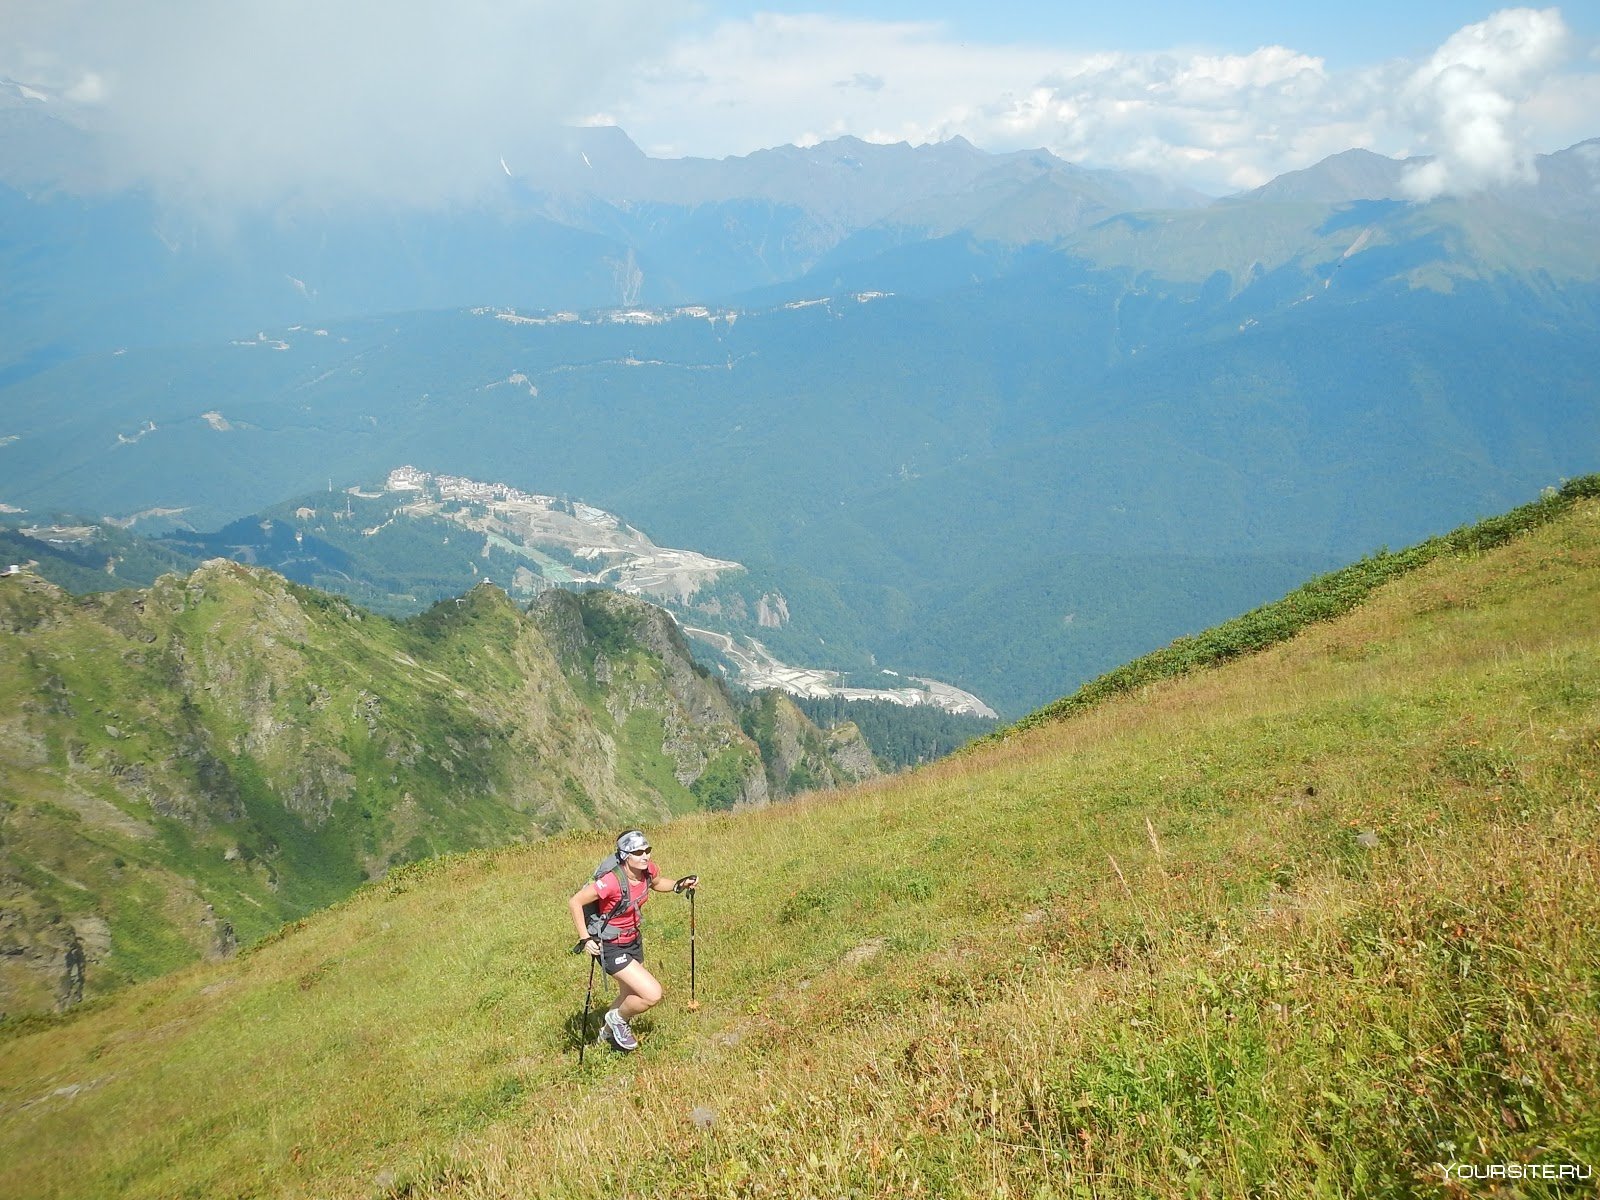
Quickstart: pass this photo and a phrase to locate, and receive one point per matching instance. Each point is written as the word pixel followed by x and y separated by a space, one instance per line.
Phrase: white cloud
pixel 400 100
pixel 1466 100
pixel 1219 122
pixel 746 85
pixel 416 101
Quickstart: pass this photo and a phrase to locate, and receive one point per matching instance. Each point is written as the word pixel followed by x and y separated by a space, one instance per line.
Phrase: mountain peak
pixel 610 140
pixel 1567 186
pixel 1355 174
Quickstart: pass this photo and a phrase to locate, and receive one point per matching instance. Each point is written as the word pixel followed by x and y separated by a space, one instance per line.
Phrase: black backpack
pixel 600 925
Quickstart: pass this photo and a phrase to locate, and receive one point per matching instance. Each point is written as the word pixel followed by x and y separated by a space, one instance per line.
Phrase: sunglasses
pixel 645 851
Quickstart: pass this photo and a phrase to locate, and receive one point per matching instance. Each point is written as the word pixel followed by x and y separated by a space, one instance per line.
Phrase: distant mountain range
pixel 1566 186
pixel 588 221
pixel 993 419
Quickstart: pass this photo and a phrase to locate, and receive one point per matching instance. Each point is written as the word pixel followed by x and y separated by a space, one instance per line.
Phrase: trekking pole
pixel 588 997
pixel 694 1005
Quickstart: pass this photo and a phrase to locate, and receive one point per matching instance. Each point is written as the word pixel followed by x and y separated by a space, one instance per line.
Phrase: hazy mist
pixel 297 100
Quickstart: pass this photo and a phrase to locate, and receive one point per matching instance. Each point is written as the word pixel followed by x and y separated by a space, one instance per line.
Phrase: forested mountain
pixel 1004 425
pixel 587 220
pixel 1007 486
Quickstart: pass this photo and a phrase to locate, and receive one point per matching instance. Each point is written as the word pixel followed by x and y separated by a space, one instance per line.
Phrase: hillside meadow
pixel 1319 921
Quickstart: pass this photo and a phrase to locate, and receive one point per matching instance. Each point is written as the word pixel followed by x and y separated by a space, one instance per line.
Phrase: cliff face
pixel 634 666
pixel 850 754
pixel 184 768
pixel 797 755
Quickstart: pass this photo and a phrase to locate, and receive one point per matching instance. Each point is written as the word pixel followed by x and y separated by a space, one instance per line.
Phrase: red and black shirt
pixel 609 894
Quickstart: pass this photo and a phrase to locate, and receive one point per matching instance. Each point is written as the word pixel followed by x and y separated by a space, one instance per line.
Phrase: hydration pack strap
pixel 600 925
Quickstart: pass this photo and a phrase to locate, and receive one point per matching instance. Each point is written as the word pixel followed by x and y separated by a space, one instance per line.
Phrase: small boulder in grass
pixel 703 1118
pixel 1367 839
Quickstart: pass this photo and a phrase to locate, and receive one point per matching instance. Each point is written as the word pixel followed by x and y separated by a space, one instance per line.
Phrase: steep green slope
pixel 1321 599
pixel 1324 920
pixel 186 768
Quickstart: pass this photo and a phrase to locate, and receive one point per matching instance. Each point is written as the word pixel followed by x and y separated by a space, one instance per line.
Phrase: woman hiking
pixel 616 934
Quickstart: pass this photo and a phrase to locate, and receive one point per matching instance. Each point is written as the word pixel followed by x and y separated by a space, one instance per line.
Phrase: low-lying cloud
pixel 405 101
pixel 1466 101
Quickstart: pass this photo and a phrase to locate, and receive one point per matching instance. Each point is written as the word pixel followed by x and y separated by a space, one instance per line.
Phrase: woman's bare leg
pixel 637 991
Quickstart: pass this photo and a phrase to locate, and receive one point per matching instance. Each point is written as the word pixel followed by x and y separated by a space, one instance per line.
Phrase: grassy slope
pixel 1323 598
pixel 1144 951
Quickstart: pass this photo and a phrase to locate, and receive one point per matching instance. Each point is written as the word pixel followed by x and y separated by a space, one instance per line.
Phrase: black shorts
pixel 614 956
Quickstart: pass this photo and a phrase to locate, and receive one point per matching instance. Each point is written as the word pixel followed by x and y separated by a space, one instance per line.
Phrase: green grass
pixel 1322 599
pixel 1317 921
pixel 645 768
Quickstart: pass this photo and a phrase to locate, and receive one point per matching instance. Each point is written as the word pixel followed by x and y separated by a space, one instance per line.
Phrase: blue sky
pixel 421 103
pixel 1346 34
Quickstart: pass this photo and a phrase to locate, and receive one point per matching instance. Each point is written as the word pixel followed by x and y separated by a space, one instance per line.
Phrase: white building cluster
pixel 457 487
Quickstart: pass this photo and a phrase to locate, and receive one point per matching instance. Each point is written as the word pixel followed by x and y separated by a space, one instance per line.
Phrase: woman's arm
pixel 662 884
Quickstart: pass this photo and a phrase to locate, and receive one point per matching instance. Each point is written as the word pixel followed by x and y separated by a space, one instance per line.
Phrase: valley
pixel 755 668
pixel 567 543
pixel 998 457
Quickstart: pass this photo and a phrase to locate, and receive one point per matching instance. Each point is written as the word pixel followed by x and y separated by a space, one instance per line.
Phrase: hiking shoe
pixel 621 1035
